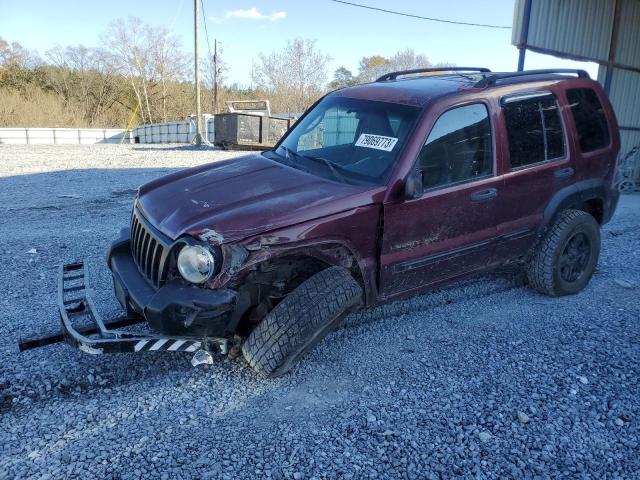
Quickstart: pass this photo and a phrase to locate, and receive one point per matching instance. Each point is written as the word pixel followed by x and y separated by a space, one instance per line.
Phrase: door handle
pixel 483 195
pixel 564 172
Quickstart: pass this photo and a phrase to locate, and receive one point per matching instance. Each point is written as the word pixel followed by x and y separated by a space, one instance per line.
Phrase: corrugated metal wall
pixel 624 95
pixel 624 92
pixel 628 48
pixel 582 30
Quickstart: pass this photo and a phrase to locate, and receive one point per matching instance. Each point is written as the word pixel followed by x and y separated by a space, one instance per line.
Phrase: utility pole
pixel 196 34
pixel 215 76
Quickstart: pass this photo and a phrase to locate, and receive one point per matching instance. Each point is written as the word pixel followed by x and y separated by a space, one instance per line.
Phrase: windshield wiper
pixel 288 153
pixel 330 165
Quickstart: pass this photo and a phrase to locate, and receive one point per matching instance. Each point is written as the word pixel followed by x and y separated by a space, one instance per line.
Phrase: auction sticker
pixel 378 142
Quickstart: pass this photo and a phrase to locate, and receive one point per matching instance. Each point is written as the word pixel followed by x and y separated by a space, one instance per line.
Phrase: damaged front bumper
pixel 174 308
pixel 84 329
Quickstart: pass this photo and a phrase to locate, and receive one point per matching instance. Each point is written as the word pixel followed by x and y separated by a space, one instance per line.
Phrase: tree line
pixel 145 70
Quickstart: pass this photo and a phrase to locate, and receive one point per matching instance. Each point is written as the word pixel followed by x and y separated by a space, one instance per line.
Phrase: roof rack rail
pixel 492 79
pixel 394 75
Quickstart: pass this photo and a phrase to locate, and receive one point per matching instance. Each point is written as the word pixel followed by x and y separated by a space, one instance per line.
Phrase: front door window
pixel 458 148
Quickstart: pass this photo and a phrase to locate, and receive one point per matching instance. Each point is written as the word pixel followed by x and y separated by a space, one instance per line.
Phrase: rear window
pixel 589 117
pixel 534 129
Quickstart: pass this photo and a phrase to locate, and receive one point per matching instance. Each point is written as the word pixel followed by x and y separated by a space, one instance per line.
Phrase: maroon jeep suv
pixel 378 192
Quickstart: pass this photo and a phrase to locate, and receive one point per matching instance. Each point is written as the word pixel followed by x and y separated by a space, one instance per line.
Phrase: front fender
pixel 348 239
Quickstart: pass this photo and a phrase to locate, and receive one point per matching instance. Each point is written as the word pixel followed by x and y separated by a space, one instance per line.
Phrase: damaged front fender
pixel 348 239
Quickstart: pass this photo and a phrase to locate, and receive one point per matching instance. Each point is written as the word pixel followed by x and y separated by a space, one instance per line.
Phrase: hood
pixel 242 197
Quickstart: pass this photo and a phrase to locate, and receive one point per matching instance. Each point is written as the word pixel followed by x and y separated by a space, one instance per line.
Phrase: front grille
pixel 147 251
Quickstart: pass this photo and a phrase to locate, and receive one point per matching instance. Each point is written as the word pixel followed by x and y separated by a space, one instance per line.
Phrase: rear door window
pixel 534 129
pixel 590 119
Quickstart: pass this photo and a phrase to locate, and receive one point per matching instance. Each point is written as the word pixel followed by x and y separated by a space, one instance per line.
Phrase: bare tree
pixel 298 74
pixel 96 87
pixel 82 77
pixel 372 67
pixel 69 77
pixel 215 69
pixel 408 59
pixel 151 58
pixel 127 40
pixel 14 55
pixel 377 65
pixel 168 62
pixel 107 88
pixel 342 78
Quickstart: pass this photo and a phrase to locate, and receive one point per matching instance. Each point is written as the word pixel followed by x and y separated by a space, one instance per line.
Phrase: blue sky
pixel 247 27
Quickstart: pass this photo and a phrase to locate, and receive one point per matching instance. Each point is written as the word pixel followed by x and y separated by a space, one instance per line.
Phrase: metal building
pixel 606 32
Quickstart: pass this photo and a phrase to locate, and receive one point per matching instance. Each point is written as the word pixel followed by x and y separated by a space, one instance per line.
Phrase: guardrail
pixel 172 132
pixel 63 136
pixel 181 131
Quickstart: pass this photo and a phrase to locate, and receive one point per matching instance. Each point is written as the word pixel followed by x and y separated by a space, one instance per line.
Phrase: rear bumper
pixel 173 309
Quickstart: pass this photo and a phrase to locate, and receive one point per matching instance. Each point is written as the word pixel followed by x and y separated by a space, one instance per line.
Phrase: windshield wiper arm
pixel 288 153
pixel 330 165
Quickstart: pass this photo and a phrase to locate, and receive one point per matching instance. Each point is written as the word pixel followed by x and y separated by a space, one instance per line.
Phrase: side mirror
pixel 413 186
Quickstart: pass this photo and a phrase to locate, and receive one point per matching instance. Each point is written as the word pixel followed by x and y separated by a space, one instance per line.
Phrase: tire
pixel 300 321
pixel 561 264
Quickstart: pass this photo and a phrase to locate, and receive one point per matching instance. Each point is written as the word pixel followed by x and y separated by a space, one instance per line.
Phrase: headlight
pixel 196 264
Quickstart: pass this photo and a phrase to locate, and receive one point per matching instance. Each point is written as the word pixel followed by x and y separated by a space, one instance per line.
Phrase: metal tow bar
pixel 82 327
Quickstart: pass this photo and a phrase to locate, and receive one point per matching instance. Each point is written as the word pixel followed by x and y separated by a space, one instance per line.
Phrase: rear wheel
pixel 300 321
pixel 567 256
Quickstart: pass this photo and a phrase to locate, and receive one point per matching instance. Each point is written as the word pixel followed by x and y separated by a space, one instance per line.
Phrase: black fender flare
pixel 577 194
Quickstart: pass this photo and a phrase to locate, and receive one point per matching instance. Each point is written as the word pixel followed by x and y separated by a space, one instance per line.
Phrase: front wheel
pixel 567 256
pixel 300 321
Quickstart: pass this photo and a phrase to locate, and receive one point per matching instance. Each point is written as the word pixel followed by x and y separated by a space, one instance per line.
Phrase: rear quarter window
pixel 590 119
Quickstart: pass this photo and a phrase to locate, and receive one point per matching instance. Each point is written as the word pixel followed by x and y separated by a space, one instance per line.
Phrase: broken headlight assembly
pixel 197 263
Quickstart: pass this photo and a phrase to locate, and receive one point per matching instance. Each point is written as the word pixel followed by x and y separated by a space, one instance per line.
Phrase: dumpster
pixel 249 124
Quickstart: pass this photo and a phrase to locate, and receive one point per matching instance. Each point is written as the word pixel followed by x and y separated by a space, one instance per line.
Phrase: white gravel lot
pixel 483 379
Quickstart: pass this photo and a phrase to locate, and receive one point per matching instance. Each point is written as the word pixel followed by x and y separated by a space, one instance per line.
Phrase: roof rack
pixel 394 75
pixel 492 79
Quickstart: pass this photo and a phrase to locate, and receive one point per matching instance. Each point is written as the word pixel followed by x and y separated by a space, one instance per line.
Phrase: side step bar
pixel 82 327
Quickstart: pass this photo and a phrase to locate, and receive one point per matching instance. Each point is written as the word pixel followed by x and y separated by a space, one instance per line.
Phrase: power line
pixel 214 58
pixel 206 32
pixel 176 14
pixel 402 14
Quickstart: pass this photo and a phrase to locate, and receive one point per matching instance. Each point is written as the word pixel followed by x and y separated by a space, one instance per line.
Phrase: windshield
pixel 348 140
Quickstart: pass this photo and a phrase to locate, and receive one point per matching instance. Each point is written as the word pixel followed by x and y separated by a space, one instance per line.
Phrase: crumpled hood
pixel 242 197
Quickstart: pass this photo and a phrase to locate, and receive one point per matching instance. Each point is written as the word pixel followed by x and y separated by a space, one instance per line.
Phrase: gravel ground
pixel 483 379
